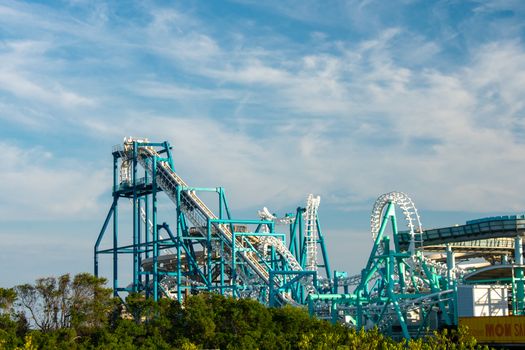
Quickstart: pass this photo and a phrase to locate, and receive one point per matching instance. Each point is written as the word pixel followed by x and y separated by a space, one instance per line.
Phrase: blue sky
pixel 272 100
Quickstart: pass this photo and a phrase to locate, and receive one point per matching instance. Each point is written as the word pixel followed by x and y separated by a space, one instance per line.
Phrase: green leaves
pixel 55 303
pixel 7 299
pixel 80 313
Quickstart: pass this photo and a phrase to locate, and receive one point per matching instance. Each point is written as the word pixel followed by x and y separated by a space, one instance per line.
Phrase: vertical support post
pixel 208 253
pixel 273 258
pixel 155 232
pixel 293 236
pixel 302 251
pixel 219 190
pixel 359 320
pixel 115 227
pixel 334 313
pixel 147 233
pixel 271 293
pixel 136 266
pixel 451 265
pixel 311 309
pixel 390 266
pixel 520 288
pixel 451 281
pixel 179 246
pixel 401 266
pixel 234 265
pixel 362 288
pixel 222 267
pixel 139 244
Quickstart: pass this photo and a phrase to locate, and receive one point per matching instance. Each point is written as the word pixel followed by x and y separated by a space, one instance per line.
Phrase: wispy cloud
pixel 354 106
pixel 270 101
pixel 36 185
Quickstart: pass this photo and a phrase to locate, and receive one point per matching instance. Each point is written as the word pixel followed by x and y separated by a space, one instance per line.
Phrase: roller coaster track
pixel 311 232
pixel 409 211
pixel 199 214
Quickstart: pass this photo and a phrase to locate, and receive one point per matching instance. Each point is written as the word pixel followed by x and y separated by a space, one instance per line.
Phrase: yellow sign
pixel 499 329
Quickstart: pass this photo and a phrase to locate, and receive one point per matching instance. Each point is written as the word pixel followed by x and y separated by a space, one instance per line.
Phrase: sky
pixel 272 100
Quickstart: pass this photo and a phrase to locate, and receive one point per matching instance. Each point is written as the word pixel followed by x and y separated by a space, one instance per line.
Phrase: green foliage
pixel 82 303
pixel 79 313
pixel 7 299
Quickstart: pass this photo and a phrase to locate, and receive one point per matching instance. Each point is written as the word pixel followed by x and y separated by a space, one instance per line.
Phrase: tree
pixel 90 303
pixel 198 320
pixel 55 303
pixel 7 299
pixel 37 301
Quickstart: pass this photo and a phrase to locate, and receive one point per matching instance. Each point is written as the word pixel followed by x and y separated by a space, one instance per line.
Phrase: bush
pixel 80 313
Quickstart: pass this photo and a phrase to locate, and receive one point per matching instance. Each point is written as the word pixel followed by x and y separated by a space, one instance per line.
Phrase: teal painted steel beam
pixel 519 276
pixel 180 224
pixel 293 246
pixel 101 235
pixel 136 217
pixel 324 252
pixel 147 234
pixel 155 232
pixel 115 228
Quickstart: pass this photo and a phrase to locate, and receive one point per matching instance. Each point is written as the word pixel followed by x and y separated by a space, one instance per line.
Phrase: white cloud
pixel 347 107
pixel 25 76
pixel 339 117
pixel 36 185
pixel 373 126
pixel 23 87
pixel 175 91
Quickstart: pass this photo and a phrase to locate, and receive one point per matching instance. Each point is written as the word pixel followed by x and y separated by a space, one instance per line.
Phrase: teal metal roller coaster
pixel 205 251
pixel 401 290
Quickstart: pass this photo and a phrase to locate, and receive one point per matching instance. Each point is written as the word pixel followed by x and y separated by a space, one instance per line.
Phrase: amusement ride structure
pixel 408 285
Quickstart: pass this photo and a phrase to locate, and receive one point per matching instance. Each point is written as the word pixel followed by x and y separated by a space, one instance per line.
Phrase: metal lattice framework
pixel 306 242
pixel 205 251
pixel 397 289
pixel 402 289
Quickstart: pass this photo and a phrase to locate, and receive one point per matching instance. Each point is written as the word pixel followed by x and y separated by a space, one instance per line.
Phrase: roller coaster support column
pixel 179 240
pixel 390 266
pixel 136 216
pixel 326 263
pixel 401 266
pixel 101 235
pixel 155 231
pixel 113 212
pixel 451 280
pixel 146 234
pixel 520 289
pixel 294 226
pixel 451 265
pixel 115 227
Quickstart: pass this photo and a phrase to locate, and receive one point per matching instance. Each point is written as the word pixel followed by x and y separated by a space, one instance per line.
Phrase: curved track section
pixel 409 211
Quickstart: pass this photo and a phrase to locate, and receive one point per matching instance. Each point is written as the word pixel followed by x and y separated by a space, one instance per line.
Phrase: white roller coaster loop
pixel 409 211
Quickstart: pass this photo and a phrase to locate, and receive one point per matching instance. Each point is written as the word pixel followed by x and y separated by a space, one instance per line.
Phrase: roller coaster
pixel 408 286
